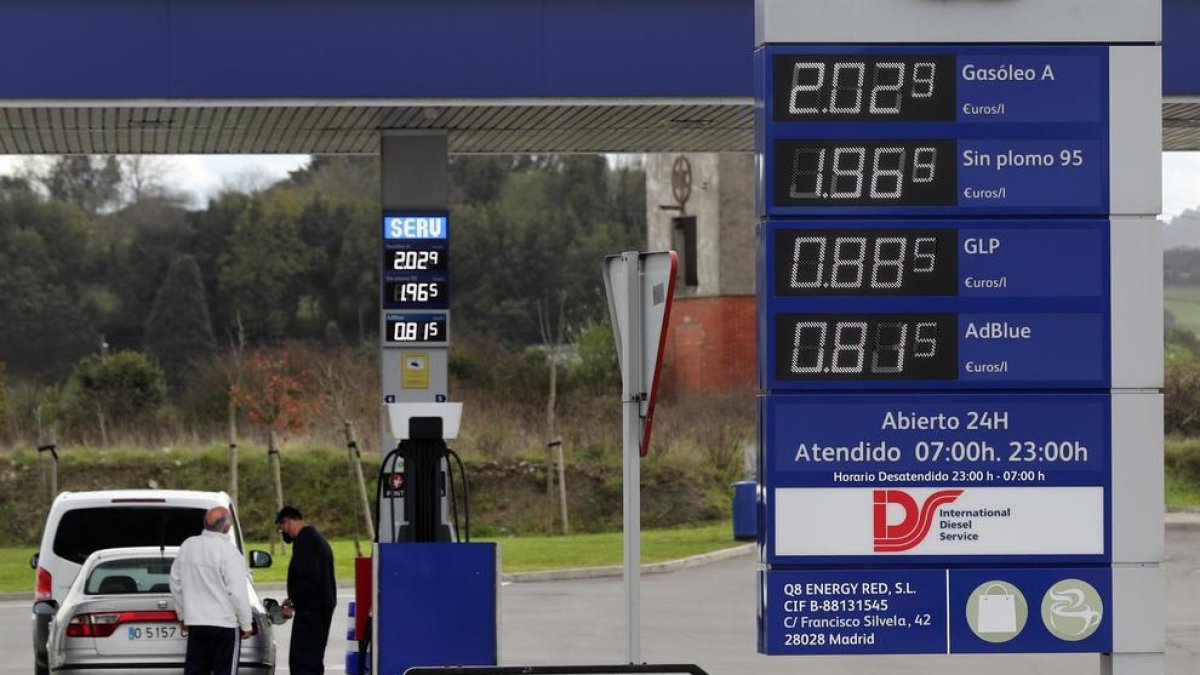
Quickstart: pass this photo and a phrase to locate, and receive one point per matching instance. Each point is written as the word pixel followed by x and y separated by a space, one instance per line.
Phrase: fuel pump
pixel 434 593
pixel 416 486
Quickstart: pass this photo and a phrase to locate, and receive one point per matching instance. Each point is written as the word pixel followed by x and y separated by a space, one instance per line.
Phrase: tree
pixel 264 265
pixel 277 393
pixel 45 326
pixel 179 332
pixel 91 183
pixel 3 403
pixel 122 389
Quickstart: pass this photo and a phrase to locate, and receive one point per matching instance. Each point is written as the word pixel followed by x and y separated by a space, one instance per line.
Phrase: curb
pixel 547 575
pixel 618 570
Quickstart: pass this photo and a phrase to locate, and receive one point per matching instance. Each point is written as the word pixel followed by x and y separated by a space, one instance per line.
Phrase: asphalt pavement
pixel 706 615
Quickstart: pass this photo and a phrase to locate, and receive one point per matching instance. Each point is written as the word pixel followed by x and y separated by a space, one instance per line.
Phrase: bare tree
pixel 334 384
pixel 237 348
pixel 553 342
pixel 144 177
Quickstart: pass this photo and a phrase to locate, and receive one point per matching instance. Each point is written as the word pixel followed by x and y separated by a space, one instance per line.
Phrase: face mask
pixel 287 538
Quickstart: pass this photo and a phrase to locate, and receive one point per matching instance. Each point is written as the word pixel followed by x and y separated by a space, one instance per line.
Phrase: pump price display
pixel 416 291
pixel 415 328
pixel 409 260
pixel 935 129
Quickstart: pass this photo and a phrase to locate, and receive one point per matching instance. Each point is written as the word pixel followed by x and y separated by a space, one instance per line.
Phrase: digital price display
pixel 896 87
pixel 415 328
pixel 965 350
pixel 987 130
pixel 1067 260
pixel 810 347
pixel 857 173
pixel 416 291
pixel 408 259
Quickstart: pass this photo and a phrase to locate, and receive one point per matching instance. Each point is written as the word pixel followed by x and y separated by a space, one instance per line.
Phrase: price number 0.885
pixel 895 262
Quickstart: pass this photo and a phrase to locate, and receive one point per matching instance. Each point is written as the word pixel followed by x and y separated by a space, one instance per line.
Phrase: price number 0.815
pixel 418 331
pixel 865 347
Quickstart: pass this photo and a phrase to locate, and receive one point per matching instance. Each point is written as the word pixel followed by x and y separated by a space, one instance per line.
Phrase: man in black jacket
pixel 312 595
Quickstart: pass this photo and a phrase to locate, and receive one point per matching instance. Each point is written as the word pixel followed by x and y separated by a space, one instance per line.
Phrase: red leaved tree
pixel 280 394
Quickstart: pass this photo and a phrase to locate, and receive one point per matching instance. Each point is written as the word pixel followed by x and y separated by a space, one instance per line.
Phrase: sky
pixel 204 175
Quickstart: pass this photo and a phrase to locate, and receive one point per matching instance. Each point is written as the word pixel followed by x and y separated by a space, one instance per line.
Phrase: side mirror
pixel 33 561
pixel 274 611
pixel 260 559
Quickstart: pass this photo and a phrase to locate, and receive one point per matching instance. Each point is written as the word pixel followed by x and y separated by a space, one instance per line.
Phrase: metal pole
pixel 631 457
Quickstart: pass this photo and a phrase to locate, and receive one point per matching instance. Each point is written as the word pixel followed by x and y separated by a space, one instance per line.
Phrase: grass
pixel 1184 303
pixel 526 554
pixel 1182 491
pixel 15 574
pixel 517 554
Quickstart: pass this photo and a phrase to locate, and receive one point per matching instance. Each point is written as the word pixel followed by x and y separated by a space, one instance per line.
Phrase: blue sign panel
pixel 935 479
pixel 410 226
pixel 852 612
pixel 935 304
pixel 922 129
pixel 927 611
pixel 416 259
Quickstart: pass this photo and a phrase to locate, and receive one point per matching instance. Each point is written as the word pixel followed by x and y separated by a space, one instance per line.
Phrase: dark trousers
pixel 310 633
pixel 212 649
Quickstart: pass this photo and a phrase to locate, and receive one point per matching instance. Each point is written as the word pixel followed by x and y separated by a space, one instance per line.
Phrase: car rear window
pixel 82 532
pixel 132 575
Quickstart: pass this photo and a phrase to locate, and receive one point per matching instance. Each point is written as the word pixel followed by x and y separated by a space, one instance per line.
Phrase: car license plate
pixel 164 632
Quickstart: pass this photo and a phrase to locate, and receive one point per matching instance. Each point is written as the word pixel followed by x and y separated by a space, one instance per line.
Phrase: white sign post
pixel 640 287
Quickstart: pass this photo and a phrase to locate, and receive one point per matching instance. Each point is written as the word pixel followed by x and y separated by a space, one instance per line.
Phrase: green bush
pixel 1181 391
pixel 124 390
pixel 597 368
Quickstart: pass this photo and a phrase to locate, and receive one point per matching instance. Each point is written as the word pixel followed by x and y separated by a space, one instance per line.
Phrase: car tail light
pixel 43 589
pixel 103 624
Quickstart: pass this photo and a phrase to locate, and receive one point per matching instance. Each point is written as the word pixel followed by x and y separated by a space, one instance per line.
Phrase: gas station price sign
pixel 416 253
pixel 934 129
pixel 934 303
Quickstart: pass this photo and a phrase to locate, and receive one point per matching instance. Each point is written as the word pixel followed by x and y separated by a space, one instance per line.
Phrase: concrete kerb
pixel 548 575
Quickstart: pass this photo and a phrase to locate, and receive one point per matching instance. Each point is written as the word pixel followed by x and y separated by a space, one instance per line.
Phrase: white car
pixel 119 617
pixel 80 523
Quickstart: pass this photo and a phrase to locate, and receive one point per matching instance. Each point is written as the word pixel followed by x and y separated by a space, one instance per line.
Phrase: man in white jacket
pixel 208 584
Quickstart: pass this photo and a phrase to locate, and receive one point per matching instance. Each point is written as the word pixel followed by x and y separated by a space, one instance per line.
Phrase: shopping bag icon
pixel 997 612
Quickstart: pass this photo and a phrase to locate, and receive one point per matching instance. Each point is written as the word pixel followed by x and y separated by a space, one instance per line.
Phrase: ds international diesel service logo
pixel 915 523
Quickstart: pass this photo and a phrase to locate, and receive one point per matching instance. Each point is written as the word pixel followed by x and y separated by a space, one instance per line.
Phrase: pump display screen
pixel 409 260
pixel 415 328
pixel 896 87
pixel 416 292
